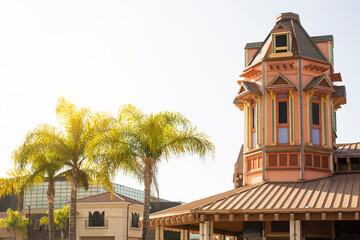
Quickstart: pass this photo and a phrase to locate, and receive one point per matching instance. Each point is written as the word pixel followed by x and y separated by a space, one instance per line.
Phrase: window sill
pixel 135 228
pixel 94 227
pixel 284 54
pixel 282 168
pixel 318 169
pixel 254 171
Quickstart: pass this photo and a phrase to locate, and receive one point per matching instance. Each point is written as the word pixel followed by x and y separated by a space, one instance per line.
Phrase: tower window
pixel 281 41
pixel 315 121
pixel 315 114
pixel 281 45
pixel 282 112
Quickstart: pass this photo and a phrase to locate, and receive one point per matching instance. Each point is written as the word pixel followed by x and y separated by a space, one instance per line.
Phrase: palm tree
pixel 71 147
pixel 43 167
pixel 61 219
pixel 15 222
pixel 146 140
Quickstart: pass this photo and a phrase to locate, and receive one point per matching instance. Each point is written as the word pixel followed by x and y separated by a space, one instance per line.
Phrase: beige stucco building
pixel 106 217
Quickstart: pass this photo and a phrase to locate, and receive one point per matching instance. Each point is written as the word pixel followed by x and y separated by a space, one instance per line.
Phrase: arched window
pixel 135 220
pixel 96 219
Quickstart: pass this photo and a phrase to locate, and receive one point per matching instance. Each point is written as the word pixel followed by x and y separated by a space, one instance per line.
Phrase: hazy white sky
pixel 182 56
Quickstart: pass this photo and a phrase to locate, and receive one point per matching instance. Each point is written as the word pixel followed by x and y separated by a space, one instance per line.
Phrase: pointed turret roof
pixel 302 44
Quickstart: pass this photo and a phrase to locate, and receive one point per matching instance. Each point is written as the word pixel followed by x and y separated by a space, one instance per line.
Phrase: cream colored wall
pixel 4 233
pixel 115 214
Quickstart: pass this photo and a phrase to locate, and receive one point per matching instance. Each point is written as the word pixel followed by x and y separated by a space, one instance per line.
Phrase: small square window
pixel 281 40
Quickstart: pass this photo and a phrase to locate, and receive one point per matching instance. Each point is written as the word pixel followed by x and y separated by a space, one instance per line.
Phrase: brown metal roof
pixel 347 149
pixel 340 192
pixel 106 197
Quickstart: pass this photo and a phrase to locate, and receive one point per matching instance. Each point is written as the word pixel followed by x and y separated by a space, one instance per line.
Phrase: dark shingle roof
pixel 314 82
pixel 253 45
pixel 251 87
pixel 316 39
pixel 237 101
pixel 340 91
pixel 106 197
pixel 306 47
pixel 303 44
pixel 324 38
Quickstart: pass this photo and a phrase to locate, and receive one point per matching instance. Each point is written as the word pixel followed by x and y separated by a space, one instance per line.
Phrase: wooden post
pixel 184 235
pixel 159 233
pixel 222 237
pixel 295 230
pixel 206 230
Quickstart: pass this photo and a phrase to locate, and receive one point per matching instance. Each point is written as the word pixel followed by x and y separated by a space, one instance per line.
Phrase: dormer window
pixel 281 45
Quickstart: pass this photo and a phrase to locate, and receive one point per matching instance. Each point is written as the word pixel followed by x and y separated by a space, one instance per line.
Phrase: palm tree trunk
pixel 73 197
pixel 50 197
pixel 62 233
pixel 147 190
pixel 14 233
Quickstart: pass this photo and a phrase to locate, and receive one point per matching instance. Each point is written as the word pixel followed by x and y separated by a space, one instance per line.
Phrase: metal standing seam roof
pixel 338 193
pixel 347 148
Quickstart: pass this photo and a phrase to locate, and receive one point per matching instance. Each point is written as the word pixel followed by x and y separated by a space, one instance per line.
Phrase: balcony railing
pixel 90 223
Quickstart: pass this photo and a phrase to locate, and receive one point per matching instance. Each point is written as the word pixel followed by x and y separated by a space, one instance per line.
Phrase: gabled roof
pixel 320 82
pixel 106 198
pixel 251 87
pixel 339 192
pixel 302 44
pixel 280 81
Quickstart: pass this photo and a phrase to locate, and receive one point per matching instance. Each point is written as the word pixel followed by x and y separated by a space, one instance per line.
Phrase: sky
pixel 183 56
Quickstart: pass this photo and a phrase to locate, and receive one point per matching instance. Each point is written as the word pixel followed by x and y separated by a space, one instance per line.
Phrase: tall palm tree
pixel 147 139
pixel 70 145
pixel 43 167
pixel 15 222
pixel 61 219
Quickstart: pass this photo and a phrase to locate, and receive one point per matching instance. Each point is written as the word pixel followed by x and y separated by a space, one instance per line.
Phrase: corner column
pixel 184 235
pixel 295 230
pixel 159 233
pixel 206 230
